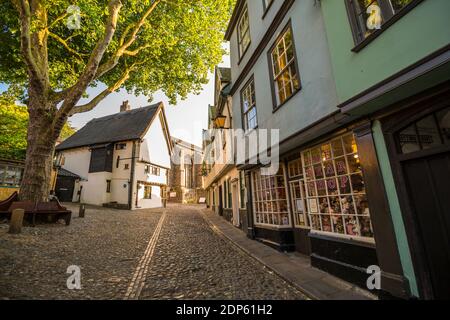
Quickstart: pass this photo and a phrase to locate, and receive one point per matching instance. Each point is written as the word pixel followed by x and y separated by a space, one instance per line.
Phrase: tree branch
pixel 136 51
pixel 102 95
pixel 124 43
pixel 66 45
pixel 23 7
pixel 74 94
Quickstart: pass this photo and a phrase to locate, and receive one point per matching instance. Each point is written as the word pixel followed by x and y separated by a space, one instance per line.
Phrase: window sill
pixel 287 100
pixel 364 43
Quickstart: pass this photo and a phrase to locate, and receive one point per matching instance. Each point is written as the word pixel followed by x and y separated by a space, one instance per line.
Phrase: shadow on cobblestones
pixel 192 262
pixel 107 245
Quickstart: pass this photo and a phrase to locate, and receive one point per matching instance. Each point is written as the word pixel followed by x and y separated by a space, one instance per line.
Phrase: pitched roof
pixel 128 125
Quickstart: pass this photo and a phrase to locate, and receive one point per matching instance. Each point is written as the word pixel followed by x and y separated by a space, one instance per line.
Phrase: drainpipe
pixel 250 221
pixel 132 176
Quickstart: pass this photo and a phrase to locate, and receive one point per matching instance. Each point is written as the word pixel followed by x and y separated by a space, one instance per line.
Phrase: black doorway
pixel 64 188
pixel 220 201
pixel 418 140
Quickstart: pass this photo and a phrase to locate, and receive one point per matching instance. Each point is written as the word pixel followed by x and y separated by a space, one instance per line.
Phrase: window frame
pixel 262 196
pixel 389 19
pixel 294 63
pixel 242 52
pixel 121 146
pixel 147 196
pixel 245 113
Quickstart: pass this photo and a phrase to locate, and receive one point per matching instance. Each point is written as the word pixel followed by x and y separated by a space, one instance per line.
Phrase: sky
pixel 186 119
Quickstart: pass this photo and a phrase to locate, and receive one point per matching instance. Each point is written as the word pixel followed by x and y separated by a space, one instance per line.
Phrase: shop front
pixel 326 201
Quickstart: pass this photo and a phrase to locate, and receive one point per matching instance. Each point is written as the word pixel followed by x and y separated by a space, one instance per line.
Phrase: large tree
pixel 140 45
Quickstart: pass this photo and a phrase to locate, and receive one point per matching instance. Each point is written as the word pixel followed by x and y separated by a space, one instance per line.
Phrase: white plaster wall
pixel 77 161
pixel 154 202
pixel 121 176
pixel 142 176
pixel 94 189
pixel 157 149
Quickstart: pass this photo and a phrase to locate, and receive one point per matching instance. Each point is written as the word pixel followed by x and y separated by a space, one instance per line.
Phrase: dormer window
pixel 243 31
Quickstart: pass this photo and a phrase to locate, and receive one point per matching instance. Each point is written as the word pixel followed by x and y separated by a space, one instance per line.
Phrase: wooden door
pixel 419 143
pixel 428 186
pixel 64 188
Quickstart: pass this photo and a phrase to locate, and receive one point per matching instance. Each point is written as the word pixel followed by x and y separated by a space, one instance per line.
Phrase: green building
pixel 391 65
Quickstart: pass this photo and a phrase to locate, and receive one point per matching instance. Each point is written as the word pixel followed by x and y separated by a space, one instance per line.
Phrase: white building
pixel 121 160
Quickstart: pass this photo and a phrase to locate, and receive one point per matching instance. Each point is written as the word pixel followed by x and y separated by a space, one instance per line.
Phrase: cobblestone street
pixel 147 254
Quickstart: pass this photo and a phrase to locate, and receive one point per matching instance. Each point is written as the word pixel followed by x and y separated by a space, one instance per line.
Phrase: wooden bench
pixel 52 209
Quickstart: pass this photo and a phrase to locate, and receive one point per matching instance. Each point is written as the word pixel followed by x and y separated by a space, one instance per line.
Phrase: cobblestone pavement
pixel 107 245
pixel 150 254
pixel 193 262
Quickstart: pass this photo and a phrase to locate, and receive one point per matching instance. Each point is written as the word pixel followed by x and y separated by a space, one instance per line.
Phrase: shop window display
pixel 270 199
pixel 335 192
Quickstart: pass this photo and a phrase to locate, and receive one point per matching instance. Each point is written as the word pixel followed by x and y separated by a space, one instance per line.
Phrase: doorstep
pixel 292 267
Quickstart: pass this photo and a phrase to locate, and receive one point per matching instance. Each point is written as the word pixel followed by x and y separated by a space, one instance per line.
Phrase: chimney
pixel 125 106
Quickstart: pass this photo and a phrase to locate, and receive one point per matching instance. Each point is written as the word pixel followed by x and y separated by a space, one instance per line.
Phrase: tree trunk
pixel 41 140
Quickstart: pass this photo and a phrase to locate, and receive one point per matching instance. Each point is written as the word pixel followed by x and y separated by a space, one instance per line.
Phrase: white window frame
pixel 259 188
pixel 248 96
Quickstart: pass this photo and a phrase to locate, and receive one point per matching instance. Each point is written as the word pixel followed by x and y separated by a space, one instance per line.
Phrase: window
pixel 121 146
pixel 269 199
pixel 284 68
pixel 248 97
pixel 108 186
pixel 10 176
pixel 126 166
pixel 188 172
pixel 156 171
pixel 298 193
pixel 426 133
pixel 368 16
pixel 243 31
pixel 147 169
pixel 147 192
pixel 335 191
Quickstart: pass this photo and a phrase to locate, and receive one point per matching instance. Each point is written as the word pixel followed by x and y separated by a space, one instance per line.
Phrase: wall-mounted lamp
pixel 219 122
